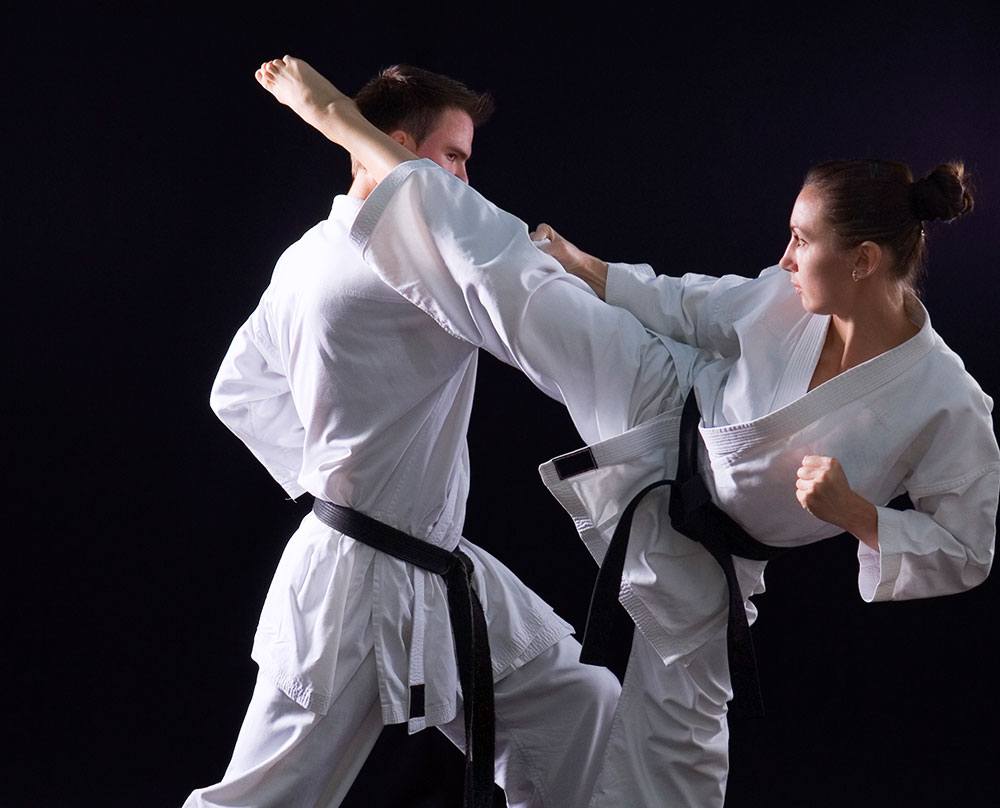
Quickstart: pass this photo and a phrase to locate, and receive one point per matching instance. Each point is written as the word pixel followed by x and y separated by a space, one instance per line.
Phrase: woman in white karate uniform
pixel 823 390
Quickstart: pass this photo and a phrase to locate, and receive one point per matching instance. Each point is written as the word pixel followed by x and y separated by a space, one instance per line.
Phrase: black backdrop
pixel 150 184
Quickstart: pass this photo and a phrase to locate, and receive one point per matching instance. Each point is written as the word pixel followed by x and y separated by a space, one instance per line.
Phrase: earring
pixel 857 276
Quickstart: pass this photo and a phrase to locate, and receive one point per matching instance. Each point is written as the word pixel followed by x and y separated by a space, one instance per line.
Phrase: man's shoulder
pixel 319 251
pixel 325 238
pixel 323 266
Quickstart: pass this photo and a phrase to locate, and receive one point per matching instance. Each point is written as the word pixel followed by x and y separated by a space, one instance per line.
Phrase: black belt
pixel 608 637
pixel 468 627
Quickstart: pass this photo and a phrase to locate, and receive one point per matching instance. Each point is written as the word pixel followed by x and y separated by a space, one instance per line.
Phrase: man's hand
pixel 823 490
pixel 574 260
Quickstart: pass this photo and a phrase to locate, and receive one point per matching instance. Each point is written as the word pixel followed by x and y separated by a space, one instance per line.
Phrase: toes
pixel 272 70
pixel 267 79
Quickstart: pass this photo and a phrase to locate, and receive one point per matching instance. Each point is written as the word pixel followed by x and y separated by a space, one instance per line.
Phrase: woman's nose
pixel 786 262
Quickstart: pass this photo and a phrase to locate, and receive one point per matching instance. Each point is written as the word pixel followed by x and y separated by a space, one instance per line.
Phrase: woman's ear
pixel 869 258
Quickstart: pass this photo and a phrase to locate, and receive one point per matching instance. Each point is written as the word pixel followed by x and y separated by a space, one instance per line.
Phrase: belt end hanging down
pixel 748 702
pixel 748 699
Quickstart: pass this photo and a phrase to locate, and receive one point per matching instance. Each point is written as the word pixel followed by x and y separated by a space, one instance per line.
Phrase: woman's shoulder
pixel 950 422
pixel 947 378
pixel 950 362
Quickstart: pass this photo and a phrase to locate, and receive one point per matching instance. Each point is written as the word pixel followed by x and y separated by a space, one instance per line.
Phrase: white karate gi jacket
pixel 909 420
pixel 345 391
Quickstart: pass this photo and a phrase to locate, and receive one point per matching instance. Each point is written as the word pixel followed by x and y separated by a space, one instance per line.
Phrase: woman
pixel 821 399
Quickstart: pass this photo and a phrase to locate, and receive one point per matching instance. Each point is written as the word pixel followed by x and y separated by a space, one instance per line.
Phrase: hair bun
pixel 942 194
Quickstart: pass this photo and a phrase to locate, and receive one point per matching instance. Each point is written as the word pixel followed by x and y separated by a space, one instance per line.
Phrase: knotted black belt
pixel 468 626
pixel 608 636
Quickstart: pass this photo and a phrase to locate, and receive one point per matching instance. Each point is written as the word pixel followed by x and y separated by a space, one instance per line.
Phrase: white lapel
pixel 844 388
pixel 794 381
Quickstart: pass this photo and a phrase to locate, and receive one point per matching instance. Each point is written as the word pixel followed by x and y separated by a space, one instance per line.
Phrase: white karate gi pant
pixel 553 716
pixel 669 744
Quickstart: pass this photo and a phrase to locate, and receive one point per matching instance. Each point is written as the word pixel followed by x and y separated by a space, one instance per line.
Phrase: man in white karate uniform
pixel 346 392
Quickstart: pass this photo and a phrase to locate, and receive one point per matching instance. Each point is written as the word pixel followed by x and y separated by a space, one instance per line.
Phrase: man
pixel 345 391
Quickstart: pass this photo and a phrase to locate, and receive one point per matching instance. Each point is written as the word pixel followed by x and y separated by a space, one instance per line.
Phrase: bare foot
pixel 321 105
pixel 297 85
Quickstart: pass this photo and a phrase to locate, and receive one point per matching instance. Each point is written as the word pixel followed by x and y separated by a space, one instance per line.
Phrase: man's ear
pixel 405 139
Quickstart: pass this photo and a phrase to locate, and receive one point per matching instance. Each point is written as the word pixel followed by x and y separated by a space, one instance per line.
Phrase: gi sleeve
pixel 473 269
pixel 693 309
pixel 944 546
pixel 251 396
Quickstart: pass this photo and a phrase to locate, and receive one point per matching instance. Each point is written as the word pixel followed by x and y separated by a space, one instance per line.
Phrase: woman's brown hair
pixel 879 201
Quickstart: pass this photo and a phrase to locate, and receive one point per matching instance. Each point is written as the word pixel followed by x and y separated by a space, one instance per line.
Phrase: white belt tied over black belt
pixel 608 636
pixel 468 627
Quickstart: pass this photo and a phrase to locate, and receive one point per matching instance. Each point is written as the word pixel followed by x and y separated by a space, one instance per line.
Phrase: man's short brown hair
pixel 409 99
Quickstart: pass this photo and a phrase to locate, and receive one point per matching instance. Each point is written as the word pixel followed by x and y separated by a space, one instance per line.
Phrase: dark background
pixel 150 185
